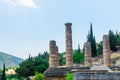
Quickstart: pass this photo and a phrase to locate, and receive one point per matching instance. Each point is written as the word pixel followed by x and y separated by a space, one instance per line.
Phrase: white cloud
pixel 27 3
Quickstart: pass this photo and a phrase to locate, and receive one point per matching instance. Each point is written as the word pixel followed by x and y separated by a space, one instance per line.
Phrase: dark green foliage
pixel 26 68
pixel 88 37
pixel 29 58
pixel 91 39
pixel 69 76
pixel 94 47
pixel 40 65
pixel 14 77
pixel 78 57
pixel 62 59
pixel 3 76
pixel 91 32
pixel 100 48
pixel 36 64
pixel 117 39
pixel 79 50
pixel 0 73
pixel 112 39
pixel 45 55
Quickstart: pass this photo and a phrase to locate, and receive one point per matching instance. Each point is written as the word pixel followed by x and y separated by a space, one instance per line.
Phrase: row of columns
pixel 54 58
pixel 106 52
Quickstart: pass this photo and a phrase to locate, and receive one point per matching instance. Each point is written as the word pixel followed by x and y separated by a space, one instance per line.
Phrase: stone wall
pixel 56 78
pixel 96 76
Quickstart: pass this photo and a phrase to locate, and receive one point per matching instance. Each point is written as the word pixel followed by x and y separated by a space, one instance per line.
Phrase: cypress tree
pixel 78 49
pixel 91 39
pixel 91 33
pixel 88 37
pixel 112 40
pixel 29 58
pixel 94 47
pixel 3 73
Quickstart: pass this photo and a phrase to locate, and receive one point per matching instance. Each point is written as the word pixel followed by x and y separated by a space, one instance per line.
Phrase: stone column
pixel 53 57
pixel 87 48
pixel 106 51
pixel 69 55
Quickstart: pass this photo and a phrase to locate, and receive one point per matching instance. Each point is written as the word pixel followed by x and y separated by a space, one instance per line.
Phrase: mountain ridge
pixel 9 60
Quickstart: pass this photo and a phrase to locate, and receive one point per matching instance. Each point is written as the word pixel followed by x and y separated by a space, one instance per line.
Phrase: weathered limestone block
pixel 106 51
pixel 69 55
pixel 96 76
pixel 53 57
pixel 88 61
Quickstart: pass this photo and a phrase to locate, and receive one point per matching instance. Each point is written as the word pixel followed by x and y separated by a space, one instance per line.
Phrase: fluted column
pixel 106 51
pixel 69 55
pixel 53 57
pixel 87 48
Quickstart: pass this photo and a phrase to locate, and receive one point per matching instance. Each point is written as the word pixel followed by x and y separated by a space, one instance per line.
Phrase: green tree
pixel 3 76
pixel 0 73
pixel 39 76
pixel 100 48
pixel 13 77
pixel 29 58
pixel 40 65
pixel 112 40
pixel 36 64
pixel 62 59
pixel 91 39
pixel 69 76
pixel 26 68
pixel 45 55
pixel 77 57
pixel 88 37
pixel 79 50
pixel 117 39
pixel 94 47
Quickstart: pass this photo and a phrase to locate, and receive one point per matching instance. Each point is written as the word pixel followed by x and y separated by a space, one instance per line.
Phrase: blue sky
pixel 27 26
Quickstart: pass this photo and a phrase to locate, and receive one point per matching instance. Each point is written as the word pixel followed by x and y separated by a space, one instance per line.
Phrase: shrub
pixel 69 76
pixel 39 76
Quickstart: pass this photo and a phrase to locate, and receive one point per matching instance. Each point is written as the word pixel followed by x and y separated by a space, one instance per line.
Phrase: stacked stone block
pixel 53 57
pixel 69 55
pixel 106 51
pixel 88 61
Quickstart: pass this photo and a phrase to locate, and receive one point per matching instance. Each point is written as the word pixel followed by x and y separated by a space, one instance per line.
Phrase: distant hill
pixel 9 60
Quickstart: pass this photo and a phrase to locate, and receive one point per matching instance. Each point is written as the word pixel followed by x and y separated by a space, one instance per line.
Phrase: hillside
pixel 116 58
pixel 9 60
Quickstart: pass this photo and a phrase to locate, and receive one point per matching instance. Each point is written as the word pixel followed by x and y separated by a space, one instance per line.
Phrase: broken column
pixel 69 55
pixel 106 51
pixel 53 57
pixel 87 48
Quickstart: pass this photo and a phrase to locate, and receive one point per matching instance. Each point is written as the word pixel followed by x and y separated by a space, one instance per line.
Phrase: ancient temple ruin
pixel 106 51
pixel 53 58
pixel 87 48
pixel 86 72
pixel 69 55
